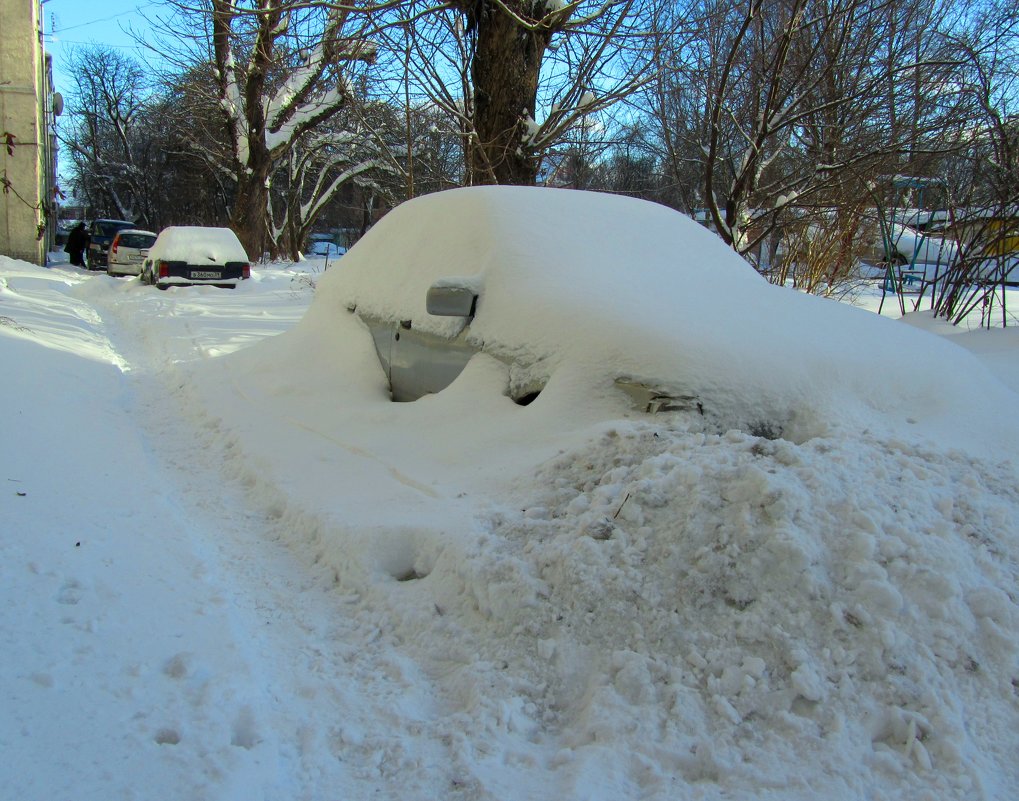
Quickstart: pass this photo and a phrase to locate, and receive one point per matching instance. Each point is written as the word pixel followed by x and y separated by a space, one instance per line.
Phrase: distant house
pixel 27 143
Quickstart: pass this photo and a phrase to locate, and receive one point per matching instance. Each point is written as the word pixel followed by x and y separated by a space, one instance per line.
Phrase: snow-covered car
pixel 425 341
pixel 128 251
pixel 911 246
pixel 565 299
pixel 187 255
pixel 916 247
pixel 927 221
pixel 323 248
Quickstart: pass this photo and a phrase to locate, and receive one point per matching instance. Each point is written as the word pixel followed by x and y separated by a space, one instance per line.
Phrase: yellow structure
pixel 996 231
pixel 27 146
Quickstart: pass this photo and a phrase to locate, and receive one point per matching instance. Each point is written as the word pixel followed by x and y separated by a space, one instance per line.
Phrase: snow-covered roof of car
pixel 197 245
pixel 594 287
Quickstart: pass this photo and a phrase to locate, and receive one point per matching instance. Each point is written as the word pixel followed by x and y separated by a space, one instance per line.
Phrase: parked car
pixel 63 230
pixel 577 301
pixel 128 251
pixel 323 248
pixel 916 246
pixel 101 233
pixel 926 221
pixel 187 255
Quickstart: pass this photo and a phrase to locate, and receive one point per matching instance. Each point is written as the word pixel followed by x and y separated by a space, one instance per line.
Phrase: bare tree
pixel 316 170
pixel 199 180
pixel 783 66
pixel 110 139
pixel 823 250
pixel 783 110
pixel 281 71
pixel 267 118
pixel 985 181
pixel 515 76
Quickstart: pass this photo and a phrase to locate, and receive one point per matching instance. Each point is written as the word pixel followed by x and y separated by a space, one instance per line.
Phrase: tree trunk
pixel 505 69
pixel 249 219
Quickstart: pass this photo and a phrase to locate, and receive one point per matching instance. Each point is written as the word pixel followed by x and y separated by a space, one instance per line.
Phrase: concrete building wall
pixel 25 147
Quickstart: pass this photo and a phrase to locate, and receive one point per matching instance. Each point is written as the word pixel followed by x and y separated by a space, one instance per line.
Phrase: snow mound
pixel 734 608
pixel 476 600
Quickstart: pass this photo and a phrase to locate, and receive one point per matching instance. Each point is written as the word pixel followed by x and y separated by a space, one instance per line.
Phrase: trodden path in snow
pixel 191 655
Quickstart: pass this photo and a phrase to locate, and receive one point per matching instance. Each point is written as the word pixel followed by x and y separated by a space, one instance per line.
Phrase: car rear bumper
pixel 124 269
pixel 98 256
pixel 198 275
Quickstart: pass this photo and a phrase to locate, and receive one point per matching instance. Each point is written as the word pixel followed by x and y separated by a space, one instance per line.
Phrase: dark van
pixel 101 233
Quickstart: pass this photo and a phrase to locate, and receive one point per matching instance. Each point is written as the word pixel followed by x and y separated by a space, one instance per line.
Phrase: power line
pixel 105 44
pixel 105 19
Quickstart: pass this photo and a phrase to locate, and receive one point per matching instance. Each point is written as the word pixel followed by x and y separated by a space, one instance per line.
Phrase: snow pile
pixel 39 309
pixel 734 609
pixel 647 606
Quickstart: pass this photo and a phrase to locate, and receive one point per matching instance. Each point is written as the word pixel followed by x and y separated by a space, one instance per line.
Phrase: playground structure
pixel 907 247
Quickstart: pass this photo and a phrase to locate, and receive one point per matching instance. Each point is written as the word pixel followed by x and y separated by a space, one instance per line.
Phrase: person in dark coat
pixel 77 241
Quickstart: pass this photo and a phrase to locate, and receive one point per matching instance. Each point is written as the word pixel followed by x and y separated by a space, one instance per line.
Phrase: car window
pixel 108 228
pixel 136 240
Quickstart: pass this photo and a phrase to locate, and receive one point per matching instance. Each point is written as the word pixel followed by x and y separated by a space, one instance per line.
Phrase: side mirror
pixel 445 300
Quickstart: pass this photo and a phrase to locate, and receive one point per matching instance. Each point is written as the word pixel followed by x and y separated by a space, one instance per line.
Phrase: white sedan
pixel 128 251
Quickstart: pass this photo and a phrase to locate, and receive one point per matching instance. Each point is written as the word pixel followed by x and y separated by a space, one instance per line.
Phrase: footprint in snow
pixel 70 593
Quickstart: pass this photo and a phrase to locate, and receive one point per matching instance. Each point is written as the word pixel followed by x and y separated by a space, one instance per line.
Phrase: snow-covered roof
pixel 197 245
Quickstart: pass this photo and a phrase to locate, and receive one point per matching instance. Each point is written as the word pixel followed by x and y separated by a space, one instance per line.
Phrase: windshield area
pixel 136 240
pixel 109 228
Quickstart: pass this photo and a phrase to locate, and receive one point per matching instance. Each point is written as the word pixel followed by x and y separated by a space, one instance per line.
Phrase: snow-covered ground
pixel 229 569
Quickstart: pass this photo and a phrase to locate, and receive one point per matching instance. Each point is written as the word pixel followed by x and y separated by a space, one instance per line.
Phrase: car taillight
pixel 116 244
pixel 246 271
pixel 164 269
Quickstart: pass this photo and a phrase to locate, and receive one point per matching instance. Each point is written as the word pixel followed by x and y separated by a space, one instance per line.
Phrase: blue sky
pixel 69 23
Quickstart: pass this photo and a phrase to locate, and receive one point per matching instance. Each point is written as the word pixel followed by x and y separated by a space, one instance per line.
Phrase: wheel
pixel 897 260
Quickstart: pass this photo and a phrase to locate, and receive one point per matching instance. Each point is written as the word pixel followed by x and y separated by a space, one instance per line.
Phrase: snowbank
pixel 289 587
pixel 616 606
